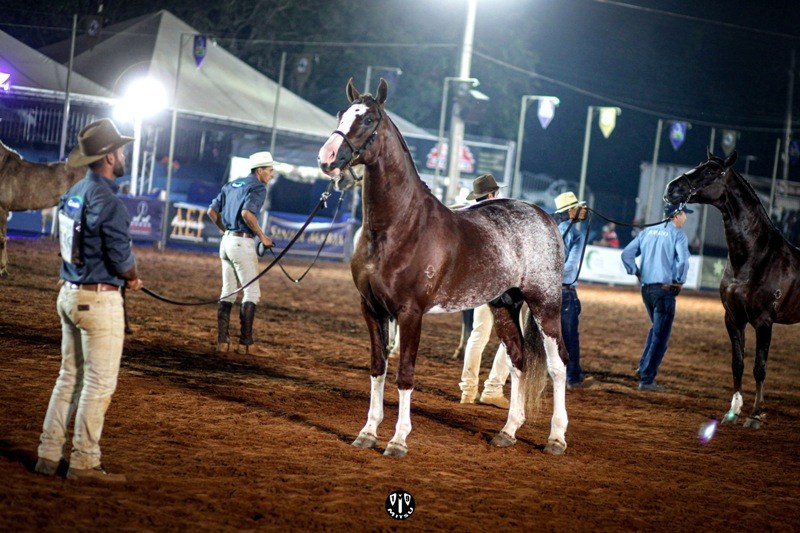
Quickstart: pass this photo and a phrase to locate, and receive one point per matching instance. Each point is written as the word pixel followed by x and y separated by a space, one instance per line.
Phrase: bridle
pixel 692 188
pixel 356 152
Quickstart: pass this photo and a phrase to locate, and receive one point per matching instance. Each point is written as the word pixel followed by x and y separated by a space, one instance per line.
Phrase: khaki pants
pixel 92 334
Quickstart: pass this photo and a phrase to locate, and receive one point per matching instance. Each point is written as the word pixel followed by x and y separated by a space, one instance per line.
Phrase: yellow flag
pixel 608 120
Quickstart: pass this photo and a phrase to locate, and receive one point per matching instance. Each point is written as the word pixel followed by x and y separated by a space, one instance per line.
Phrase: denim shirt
pixel 106 239
pixel 665 255
pixel 573 247
pixel 245 193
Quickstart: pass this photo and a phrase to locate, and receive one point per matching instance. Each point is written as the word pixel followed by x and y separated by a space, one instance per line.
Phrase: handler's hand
pixel 266 242
pixel 134 284
pixel 676 288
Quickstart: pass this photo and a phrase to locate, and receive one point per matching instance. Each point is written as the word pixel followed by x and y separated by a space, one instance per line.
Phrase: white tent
pixel 34 72
pixel 224 87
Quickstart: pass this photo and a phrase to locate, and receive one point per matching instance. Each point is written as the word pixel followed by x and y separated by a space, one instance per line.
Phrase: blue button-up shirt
pixel 106 239
pixel 245 193
pixel 665 255
pixel 573 247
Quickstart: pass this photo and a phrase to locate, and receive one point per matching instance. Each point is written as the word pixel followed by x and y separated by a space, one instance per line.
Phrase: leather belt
pixel 565 286
pixel 95 287
pixel 238 234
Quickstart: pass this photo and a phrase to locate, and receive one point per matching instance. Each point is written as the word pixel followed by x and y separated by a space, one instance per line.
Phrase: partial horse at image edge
pixel 416 256
pixel 761 281
pixel 25 186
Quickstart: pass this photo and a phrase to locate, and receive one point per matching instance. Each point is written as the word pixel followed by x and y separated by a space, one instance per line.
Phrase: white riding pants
pixel 92 334
pixel 482 324
pixel 239 266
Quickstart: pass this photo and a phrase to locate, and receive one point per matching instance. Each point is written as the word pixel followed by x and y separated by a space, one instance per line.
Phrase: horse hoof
pixel 730 418
pixel 3 273
pixel 503 440
pixel 394 449
pixel 555 447
pixel 365 441
pixel 754 422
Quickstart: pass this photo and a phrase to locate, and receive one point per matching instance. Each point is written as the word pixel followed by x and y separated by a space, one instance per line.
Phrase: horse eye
pixel 368 121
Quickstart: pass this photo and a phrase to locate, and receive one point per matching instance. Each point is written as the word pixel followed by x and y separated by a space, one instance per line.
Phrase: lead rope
pixel 607 219
pixel 319 251
pixel 322 203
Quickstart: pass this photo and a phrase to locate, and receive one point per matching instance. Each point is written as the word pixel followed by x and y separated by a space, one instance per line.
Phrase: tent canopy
pixel 30 69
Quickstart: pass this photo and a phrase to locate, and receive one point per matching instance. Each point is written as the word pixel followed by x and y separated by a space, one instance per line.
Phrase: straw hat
pixel 94 141
pixel 565 201
pixel 483 185
pixel 261 159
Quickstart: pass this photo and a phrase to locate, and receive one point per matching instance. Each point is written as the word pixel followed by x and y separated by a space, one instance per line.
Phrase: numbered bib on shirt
pixel 70 231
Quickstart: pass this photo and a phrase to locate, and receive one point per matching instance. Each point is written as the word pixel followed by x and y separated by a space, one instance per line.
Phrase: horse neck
pixel 748 228
pixel 393 190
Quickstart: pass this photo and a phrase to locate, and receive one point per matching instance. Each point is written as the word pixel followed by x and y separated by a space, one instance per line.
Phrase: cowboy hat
pixel 670 210
pixel 261 159
pixel 95 141
pixel 483 185
pixel 565 201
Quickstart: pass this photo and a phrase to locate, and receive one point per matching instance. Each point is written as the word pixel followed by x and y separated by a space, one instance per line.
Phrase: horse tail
pixel 534 379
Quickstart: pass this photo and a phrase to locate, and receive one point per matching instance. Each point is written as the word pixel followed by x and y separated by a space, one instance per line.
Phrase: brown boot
pixel 246 344
pixel 223 324
pixel 97 473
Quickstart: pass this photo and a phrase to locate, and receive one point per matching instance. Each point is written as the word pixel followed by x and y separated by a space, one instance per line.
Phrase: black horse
pixel 761 283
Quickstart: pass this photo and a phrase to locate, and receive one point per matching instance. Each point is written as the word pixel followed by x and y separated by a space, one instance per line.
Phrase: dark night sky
pixel 653 66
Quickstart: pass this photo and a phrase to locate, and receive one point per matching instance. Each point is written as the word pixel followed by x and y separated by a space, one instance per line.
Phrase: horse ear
pixel 731 160
pixel 383 91
pixel 709 155
pixel 352 93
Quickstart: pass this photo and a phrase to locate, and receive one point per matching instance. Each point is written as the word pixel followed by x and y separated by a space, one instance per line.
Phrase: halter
pixel 356 152
pixel 692 189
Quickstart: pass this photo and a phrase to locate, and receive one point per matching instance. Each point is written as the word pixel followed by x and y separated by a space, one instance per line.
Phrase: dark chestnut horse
pixel 761 283
pixel 416 256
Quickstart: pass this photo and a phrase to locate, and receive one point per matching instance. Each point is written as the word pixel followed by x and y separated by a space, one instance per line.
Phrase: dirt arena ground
pixel 213 444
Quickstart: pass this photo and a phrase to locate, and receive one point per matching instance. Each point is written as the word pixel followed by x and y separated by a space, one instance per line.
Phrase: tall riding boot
pixel 223 323
pixel 246 315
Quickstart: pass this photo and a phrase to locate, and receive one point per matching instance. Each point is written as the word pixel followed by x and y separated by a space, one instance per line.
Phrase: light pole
pixel 516 179
pixel 442 113
pixel 456 122
pixel 396 70
pixel 608 117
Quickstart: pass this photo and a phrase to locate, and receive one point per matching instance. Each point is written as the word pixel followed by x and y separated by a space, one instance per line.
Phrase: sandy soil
pixel 214 444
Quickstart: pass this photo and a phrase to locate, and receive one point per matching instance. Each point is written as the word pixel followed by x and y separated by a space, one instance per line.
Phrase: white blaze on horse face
pixel 327 154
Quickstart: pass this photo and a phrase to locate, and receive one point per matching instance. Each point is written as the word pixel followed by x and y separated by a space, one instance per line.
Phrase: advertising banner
pixel 282 227
pixel 604 265
pixel 28 221
pixel 146 218
pixel 188 224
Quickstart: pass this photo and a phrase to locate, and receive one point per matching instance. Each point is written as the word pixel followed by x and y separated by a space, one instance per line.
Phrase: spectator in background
pixel 608 237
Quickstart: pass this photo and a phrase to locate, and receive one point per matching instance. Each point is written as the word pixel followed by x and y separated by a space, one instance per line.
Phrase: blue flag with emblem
pixel 677 134
pixel 199 50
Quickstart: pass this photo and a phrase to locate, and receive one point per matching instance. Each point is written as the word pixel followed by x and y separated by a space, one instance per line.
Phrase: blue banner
pixel 282 227
pixel 29 221
pixel 146 215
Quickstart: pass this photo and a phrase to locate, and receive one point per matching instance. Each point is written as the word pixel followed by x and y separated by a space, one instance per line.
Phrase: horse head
pixel 356 132
pixel 702 184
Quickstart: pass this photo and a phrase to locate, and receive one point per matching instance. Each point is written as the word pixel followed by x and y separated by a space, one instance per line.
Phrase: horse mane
pixel 752 192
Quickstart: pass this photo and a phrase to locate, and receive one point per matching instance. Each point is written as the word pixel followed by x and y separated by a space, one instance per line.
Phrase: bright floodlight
pixel 4 83
pixel 144 97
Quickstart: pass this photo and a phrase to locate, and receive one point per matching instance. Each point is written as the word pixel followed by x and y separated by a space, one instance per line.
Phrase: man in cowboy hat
pixel 664 266
pixel 97 262
pixel 484 187
pixel 235 212
pixel 568 211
